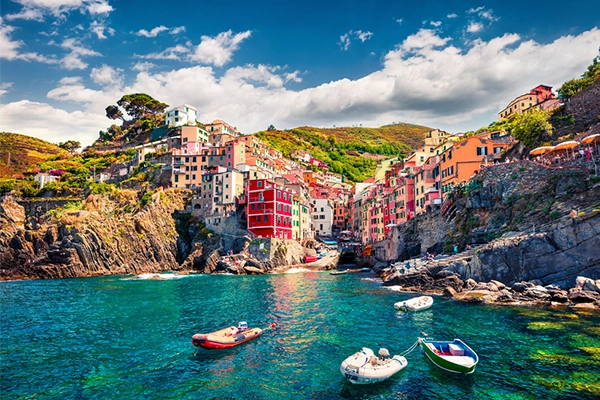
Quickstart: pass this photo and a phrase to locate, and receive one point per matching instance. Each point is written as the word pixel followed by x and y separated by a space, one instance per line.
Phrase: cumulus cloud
pixel 177 30
pixel 218 50
pixel 176 52
pixel 425 80
pixel 38 9
pixel 346 39
pixel 475 10
pixel 76 51
pixel 51 124
pixel 107 76
pixel 436 23
pixel 452 15
pixel 474 27
pixel 98 28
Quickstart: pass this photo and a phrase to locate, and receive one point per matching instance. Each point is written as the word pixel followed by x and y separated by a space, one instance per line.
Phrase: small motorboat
pixel 309 259
pixel 415 304
pixel 453 356
pixel 364 367
pixel 338 272
pixel 226 338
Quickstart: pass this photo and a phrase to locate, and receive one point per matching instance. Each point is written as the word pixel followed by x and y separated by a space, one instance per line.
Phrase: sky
pixel 450 64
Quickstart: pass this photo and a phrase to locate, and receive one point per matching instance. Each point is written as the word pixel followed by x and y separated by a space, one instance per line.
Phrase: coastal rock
pixel 580 296
pixel 449 291
pixel 588 284
pixel 584 306
pixel 498 284
pixel 521 287
pixel 470 283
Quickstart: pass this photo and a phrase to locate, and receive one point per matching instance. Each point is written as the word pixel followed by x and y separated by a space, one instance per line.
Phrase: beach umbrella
pixel 569 144
pixel 592 138
pixel 541 150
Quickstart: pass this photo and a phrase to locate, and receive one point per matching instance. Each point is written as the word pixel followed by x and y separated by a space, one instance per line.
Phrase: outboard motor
pixel 242 326
pixel 384 352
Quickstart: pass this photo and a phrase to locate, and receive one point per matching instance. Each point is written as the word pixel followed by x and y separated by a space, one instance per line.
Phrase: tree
pixel 271 128
pixel 530 127
pixel 136 105
pixel 70 145
pixel 574 86
pixel 113 112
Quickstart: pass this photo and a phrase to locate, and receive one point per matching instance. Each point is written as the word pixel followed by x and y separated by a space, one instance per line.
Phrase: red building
pixel 269 209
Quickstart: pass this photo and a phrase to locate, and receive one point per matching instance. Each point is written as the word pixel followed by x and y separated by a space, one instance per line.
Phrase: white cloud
pixel 452 15
pixel 69 80
pixel 347 38
pixel 424 80
pixel 425 39
pixel 176 52
pixel 399 21
pixel 73 59
pixel 10 49
pixel 99 27
pixel 152 33
pixel 218 50
pixel 27 14
pixel 436 23
pixel 107 76
pixel 475 10
pixel 50 124
pixel 37 9
pixel 143 66
pixel 474 27
pixel 4 88
pixel 155 31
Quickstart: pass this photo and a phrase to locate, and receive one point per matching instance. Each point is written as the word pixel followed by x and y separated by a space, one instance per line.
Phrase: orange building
pixel 466 158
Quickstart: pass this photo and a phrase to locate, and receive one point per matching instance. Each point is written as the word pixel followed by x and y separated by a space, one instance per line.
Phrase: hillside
pixel 348 150
pixel 25 151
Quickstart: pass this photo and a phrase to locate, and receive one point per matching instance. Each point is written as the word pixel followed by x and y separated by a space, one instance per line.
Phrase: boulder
pixel 581 296
pixel 470 283
pixel 444 274
pixel 584 306
pixel 449 291
pixel 587 284
pixel 498 284
pixel 520 287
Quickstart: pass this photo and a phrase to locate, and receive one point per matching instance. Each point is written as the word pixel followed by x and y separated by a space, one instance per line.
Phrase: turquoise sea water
pixel 122 338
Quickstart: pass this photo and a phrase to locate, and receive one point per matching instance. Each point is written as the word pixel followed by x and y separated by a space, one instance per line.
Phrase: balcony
pixel 431 190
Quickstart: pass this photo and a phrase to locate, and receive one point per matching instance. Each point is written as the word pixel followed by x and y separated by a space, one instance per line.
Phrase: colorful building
pixel 269 209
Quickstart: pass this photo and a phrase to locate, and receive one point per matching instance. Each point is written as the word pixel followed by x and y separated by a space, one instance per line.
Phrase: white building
pixel 45 178
pixel 322 217
pixel 182 115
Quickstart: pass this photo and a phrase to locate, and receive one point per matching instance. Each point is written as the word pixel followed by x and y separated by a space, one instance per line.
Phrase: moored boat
pixel 338 272
pixel 226 338
pixel 452 356
pixel 415 304
pixel 364 367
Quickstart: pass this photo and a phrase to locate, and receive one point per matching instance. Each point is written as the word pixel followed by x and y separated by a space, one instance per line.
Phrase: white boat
pixel 364 367
pixel 415 304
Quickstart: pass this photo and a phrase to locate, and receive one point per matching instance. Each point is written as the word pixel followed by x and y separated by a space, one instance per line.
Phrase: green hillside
pixel 349 150
pixel 23 152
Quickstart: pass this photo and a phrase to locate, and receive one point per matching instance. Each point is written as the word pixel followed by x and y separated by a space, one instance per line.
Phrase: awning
pixel 592 138
pixel 541 150
pixel 566 145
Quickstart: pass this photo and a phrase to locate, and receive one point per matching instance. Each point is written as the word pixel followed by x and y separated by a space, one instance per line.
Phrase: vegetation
pixel 530 128
pixel 19 153
pixel 574 86
pixel 70 145
pixel 349 151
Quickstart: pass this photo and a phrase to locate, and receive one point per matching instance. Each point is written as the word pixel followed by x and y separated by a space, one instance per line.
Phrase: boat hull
pixel 223 340
pixel 363 369
pixel 464 364
pixel 415 304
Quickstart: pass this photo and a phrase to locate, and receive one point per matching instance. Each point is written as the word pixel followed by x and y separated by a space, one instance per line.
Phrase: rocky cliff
pixel 102 235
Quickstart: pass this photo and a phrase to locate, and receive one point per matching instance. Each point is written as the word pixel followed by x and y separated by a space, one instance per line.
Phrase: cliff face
pixel 101 236
pixel 569 249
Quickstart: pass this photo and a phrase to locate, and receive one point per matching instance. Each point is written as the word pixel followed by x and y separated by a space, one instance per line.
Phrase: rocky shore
pixel 436 278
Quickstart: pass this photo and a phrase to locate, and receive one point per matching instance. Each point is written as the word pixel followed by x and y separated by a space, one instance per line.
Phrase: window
pixel 322 209
pixel 266 218
pixel 252 207
pixel 258 219
pixel 278 207
pixel 278 194
pixel 259 184
pixel 259 206
pixel 482 151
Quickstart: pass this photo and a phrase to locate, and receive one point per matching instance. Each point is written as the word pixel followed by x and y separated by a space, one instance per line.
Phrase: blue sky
pixel 446 64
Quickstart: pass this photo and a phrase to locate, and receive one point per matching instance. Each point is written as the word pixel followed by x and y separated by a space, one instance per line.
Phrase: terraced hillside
pixel 19 152
pixel 351 151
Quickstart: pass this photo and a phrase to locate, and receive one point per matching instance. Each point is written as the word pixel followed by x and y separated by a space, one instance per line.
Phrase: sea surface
pixel 129 338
